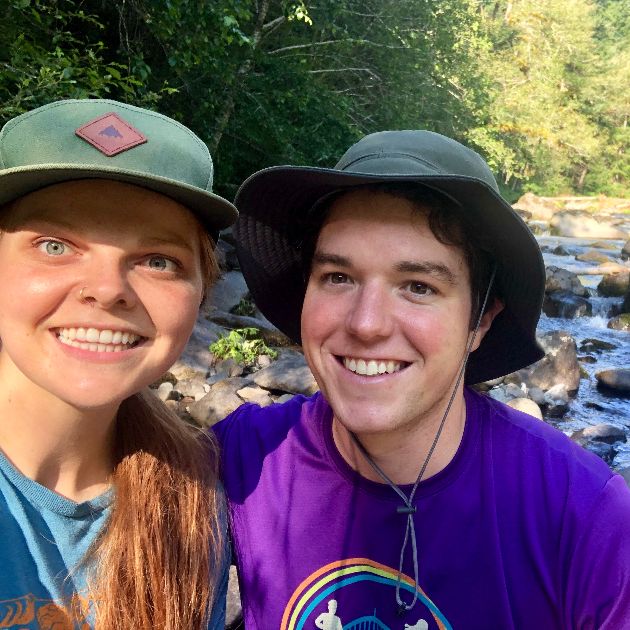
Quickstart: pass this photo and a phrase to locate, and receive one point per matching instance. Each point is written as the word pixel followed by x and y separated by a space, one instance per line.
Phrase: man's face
pixel 385 321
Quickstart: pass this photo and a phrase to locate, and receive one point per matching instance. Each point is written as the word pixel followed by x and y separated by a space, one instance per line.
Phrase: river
pixel 591 405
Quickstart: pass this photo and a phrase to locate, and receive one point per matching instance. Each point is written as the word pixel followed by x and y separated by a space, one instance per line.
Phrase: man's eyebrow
pixel 324 258
pixel 171 239
pixel 440 271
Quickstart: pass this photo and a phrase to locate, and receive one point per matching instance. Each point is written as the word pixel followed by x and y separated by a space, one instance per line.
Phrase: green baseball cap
pixel 99 138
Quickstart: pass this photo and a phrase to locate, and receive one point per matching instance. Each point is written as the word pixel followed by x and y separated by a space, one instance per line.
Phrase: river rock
pixel 164 390
pixel 617 380
pixel 593 256
pixel 193 388
pixel 600 433
pixel 228 291
pixel 542 208
pixel 288 374
pixel 196 354
pixel 584 226
pixel 625 307
pixel 561 250
pixel 614 285
pixel 621 322
pixel 233 610
pixel 255 395
pixel 602 449
pixel 220 401
pixel 566 305
pixel 625 251
pixel 558 366
pixel 558 279
pixel 526 405
pixel 595 345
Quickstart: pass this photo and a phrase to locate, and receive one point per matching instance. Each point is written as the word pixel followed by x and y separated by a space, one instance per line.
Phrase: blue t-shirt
pixel 43 539
pixel 522 529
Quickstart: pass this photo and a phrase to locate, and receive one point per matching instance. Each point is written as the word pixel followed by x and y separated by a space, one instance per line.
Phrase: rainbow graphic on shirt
pixel 314 602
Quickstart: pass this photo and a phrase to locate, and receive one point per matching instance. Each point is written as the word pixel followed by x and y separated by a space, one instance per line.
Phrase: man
pixel 397 492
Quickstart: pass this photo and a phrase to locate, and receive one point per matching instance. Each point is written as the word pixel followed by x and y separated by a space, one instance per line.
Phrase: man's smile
pixel 372 367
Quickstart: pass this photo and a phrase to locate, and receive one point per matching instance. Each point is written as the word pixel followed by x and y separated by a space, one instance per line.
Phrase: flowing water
pixel 592 405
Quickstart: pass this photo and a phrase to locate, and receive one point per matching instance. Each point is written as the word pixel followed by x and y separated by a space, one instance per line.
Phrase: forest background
pixel 541 88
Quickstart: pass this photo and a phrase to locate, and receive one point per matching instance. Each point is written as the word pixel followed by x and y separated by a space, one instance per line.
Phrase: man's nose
pixel 370 314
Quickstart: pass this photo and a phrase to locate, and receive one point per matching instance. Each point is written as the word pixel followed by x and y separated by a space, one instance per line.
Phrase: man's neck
pixel 401 454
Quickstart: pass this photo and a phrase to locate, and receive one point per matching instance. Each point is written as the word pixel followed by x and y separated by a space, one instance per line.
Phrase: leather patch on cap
pixel 110 134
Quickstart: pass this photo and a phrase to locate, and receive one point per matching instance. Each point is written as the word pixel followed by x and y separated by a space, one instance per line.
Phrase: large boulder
pixel 220 401
pixel 580 225
pixel 620 322
pixel 559 366
pixel 617 380
pixel 542 208
pixel 289 373
pixel 567 305
pixel 229 291
pixel 594 257
pixel 614 284
pixel 558 279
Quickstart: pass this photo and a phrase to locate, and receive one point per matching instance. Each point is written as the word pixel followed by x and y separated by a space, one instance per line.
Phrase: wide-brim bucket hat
pixel 273 204
pixel 104 139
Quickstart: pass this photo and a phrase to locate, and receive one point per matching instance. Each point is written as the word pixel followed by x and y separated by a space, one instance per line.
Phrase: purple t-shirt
pixel 522 529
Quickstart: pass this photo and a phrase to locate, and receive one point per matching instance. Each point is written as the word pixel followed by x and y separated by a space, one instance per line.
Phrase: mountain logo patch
pixel 110 134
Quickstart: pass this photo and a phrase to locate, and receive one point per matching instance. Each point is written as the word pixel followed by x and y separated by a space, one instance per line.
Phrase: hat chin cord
pixel 408 508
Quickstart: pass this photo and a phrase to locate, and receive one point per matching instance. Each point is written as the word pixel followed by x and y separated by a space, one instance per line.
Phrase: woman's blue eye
pixel 161 263
pixel 53 248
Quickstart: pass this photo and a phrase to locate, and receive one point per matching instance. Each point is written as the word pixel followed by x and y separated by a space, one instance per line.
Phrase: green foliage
pixel 540 89
pixel 244 345
pixel 244 307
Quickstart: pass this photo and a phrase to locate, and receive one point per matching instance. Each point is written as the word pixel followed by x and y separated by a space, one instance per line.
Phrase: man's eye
pixel 337 278
pixel 52 247
pixel 160 263
pixel 419 288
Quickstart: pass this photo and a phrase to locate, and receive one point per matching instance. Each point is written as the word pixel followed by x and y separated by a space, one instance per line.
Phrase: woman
pixel 105 256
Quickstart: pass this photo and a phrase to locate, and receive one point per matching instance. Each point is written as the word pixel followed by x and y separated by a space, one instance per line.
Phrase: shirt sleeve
pixel 598 586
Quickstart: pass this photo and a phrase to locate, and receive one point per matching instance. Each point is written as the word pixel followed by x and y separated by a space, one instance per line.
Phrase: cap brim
pixel 273 201
pixel 214 212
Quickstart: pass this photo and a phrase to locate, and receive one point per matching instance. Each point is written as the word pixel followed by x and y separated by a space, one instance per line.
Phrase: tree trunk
pixel 241 75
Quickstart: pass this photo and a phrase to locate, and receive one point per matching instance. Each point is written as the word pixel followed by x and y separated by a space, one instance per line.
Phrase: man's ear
pixel 486 321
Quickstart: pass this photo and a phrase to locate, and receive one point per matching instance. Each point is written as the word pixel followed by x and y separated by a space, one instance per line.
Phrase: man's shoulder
pixel 536 444
pixel 253 421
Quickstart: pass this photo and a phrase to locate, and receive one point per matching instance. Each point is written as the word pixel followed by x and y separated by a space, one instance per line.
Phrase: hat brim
pixel 272 202
pixel 214 212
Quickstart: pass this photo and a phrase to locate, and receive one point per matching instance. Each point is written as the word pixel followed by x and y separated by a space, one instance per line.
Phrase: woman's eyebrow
pixel 437 270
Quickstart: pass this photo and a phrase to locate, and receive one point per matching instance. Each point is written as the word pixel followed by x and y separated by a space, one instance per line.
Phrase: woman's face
pixel 100 284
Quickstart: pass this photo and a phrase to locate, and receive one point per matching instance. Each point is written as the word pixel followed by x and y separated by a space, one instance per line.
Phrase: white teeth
pixel 92 335
pixel 97 340
pixel 371 367
pixel 106 336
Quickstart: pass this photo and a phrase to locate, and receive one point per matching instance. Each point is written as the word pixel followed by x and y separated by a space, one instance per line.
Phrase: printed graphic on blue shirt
pixel 34 613
pixel 358 593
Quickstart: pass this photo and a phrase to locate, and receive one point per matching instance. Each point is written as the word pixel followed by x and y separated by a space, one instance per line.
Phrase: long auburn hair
pixel 158 557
